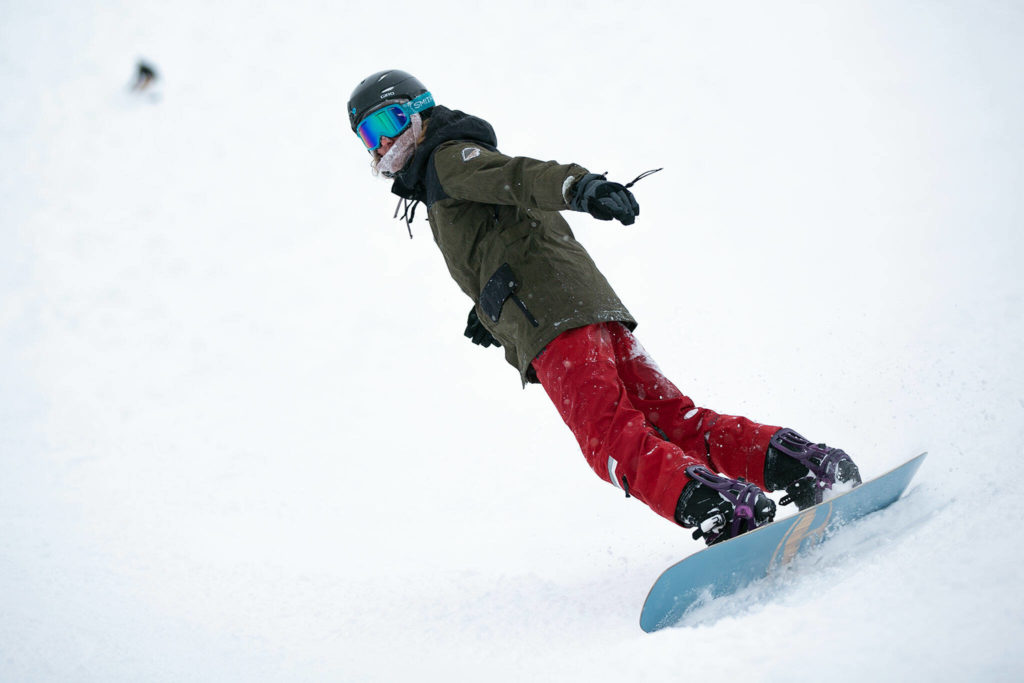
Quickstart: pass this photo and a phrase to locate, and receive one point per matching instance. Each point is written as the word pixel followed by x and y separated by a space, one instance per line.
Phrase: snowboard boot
pixel 806 470
pixel 721 508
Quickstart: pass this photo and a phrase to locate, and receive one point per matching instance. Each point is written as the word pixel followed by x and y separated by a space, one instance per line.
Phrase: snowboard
pixel 726 567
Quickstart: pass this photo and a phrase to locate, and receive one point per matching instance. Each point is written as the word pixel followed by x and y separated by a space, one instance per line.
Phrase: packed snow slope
pixel 243 439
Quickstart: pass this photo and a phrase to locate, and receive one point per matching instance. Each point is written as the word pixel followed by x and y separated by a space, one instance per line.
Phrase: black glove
pixel 604 200
pixel 476 331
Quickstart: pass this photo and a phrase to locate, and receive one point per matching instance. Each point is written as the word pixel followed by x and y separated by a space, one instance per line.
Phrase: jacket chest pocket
pixel 501 287
pixel 514 224
pixel 514 233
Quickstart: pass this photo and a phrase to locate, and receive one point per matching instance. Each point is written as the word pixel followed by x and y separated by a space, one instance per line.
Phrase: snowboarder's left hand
pixel 477 333
pixel 604 200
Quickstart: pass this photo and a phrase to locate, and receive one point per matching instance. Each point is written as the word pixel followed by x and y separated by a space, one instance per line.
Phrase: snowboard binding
pixel 806 470
pixel 721 508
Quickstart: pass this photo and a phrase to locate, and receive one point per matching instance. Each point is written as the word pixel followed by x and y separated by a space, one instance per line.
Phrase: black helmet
pixel 381 87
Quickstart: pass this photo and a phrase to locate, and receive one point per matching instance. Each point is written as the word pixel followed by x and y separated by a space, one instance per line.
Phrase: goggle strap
pixel 421 102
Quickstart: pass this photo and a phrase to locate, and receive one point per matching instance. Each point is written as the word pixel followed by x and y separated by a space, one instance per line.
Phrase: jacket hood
pixel 444 125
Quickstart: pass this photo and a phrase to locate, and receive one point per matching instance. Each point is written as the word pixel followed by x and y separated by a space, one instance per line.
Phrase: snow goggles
pixel 390 120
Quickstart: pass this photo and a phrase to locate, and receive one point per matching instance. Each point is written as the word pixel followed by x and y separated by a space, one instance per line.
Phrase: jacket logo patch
pixel 470 153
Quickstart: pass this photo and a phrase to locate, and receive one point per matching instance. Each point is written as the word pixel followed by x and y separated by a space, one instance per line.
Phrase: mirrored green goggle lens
pixel 386 122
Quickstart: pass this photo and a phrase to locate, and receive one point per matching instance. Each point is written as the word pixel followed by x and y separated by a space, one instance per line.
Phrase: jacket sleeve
pixel 470 172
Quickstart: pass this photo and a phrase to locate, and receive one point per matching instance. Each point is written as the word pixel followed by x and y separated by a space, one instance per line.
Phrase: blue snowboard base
pixel 726 567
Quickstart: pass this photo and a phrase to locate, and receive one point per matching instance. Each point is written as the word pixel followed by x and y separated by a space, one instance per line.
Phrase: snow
pixel 243 438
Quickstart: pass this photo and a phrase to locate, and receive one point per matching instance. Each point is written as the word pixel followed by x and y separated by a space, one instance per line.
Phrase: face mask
pixel 401 151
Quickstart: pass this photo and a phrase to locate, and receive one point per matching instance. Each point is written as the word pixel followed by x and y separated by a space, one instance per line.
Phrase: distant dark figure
pixel 144 76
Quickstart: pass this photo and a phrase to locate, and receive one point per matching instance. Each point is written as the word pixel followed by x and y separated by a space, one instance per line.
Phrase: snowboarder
pixel 145 75
pixel 537 293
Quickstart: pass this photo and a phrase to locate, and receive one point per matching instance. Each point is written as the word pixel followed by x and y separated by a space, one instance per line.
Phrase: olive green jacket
pixel 497 222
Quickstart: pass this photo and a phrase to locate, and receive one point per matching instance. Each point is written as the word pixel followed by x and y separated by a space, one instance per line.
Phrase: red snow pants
pixel 636 429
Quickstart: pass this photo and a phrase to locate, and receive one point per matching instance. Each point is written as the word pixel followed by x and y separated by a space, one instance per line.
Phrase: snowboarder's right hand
pixel 477 333
pixel 604 200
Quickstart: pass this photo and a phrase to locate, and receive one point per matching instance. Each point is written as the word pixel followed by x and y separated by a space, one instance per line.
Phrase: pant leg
pixel 732 445
pixel 579 373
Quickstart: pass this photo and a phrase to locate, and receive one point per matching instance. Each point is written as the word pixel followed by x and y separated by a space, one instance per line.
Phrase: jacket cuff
pixel 566 187
pixel 570 183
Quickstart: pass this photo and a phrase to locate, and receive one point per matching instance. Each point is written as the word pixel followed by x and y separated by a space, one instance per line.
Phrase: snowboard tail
pixel 726 567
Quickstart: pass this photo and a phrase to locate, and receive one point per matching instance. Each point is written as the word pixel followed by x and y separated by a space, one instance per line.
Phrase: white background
pixel 243 438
